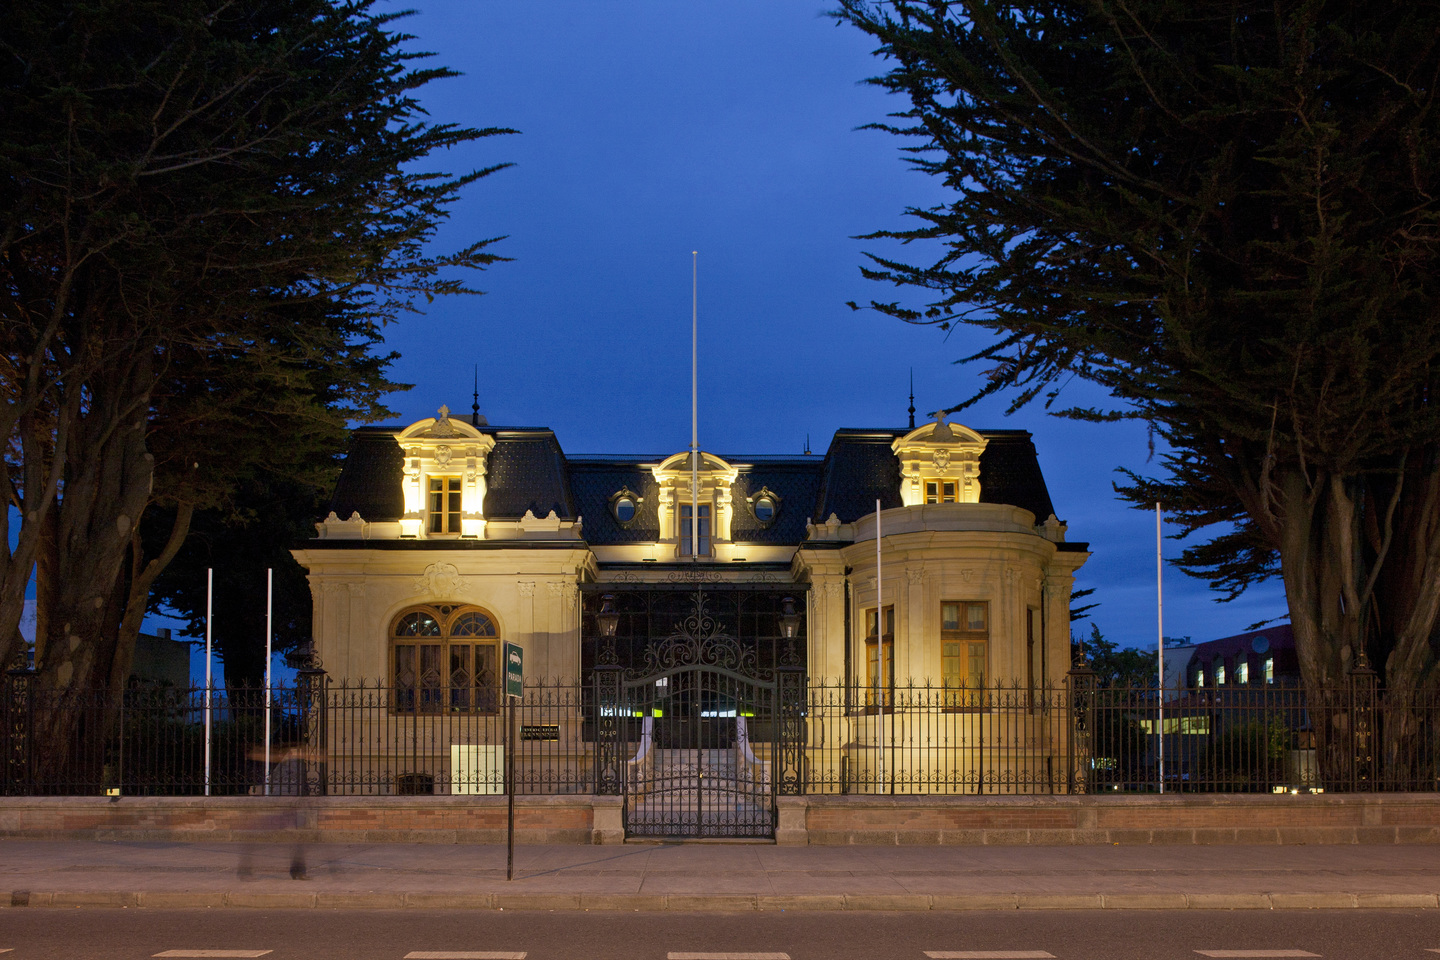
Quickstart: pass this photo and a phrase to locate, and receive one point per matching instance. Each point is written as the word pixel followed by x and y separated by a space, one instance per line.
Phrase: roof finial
pixel 807 444
pixel 475 400
pixel 912 398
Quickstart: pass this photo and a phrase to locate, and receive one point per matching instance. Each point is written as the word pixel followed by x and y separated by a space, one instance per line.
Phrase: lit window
pixel 1219 670
pixel 941 491
pixel 687 528
pixel 964 641
pixel 444 505
pixel 879 658
pixel 444 659
pixel 1269 669
pixel 1242 672
pixel 1199 678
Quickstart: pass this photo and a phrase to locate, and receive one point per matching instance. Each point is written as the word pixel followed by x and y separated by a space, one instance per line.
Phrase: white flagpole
pixel 1160 646
pixel 209 592
pixel 883 675
pixel 269 605
pixel 694 408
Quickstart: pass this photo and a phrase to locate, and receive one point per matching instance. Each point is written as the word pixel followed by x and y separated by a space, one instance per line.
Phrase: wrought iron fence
pixel 345 738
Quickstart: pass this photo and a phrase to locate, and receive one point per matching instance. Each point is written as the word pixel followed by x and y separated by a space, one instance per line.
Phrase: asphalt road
pixel 79 934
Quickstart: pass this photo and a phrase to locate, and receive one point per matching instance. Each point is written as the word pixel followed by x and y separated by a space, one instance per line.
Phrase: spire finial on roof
pixel 912 398
pixel 475 400
pixel 807 444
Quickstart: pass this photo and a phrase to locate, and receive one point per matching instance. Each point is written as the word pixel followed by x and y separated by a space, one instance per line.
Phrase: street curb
pixel 699 903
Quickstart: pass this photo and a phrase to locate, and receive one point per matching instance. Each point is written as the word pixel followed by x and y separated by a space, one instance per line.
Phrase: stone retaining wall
pixel 1146 818
pixel 1224 818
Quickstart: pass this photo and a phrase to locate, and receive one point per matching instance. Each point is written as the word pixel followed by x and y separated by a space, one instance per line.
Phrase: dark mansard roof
pixel 528 471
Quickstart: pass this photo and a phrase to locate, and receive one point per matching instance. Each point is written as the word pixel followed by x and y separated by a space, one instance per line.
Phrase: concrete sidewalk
pixel 718 876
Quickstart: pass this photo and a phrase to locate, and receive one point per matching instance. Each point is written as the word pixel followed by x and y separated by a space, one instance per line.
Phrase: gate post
pixel 609 764
pixel 790 716
pixel 312 702
pixel 1081 683
pixel 1362 724
pixel 15 773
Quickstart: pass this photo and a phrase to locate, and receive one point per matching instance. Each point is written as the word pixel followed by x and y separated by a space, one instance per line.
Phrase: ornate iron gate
pixel 695 770
pixel 699 738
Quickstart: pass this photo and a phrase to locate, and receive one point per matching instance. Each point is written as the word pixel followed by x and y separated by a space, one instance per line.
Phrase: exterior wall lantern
pixel 608 618
pixel 789 618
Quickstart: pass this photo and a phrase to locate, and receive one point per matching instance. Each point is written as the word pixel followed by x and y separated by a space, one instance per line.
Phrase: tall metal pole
pixel 209 592
pixel 694 407
pixel 1160 648
pixel 510 787
pixel 883 674
pixel 269 604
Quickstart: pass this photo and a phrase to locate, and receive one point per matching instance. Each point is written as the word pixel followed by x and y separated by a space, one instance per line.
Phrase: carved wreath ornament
pixel 439 580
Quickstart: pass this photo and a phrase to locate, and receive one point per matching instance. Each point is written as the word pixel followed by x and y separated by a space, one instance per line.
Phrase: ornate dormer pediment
pixel 939 463
pixel 713 495
pixel 442 429
pixel 446 456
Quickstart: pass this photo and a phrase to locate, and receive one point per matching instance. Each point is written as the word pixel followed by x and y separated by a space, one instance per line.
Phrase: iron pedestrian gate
pixel 700 739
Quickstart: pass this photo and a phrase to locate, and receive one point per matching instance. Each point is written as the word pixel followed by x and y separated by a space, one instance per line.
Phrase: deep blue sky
pixel 650 129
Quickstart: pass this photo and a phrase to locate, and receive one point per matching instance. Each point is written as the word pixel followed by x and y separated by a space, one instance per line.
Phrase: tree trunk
pixel 1362 582
pixel 102 500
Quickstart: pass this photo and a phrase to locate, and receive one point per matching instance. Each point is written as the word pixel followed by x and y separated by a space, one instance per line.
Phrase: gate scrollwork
pixel 700 640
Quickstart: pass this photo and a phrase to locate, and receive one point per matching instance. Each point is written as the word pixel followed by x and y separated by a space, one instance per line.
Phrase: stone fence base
pixel 1221 818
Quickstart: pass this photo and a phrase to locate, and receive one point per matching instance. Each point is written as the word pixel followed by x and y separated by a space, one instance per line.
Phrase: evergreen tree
pixel 208 211
pixel 1228 216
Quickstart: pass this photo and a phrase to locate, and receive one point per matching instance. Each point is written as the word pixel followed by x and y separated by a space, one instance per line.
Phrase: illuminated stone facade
pixel 977 572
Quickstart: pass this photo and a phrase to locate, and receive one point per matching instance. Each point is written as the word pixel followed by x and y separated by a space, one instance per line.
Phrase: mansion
pixel 699 634
pixel 447 537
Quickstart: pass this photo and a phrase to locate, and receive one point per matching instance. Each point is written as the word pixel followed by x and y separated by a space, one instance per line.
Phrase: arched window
pixel 445 659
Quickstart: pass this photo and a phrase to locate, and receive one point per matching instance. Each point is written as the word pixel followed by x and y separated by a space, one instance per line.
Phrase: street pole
pixel 510 787
pixel 1160 650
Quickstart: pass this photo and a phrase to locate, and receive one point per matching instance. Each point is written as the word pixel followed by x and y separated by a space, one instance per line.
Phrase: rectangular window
pixel 879 658
pixel 964 645
pixel 1219 669
pixel 1242 672
pixel 687 527
pixel 444 505
pixel 940 491
pixel 1269 669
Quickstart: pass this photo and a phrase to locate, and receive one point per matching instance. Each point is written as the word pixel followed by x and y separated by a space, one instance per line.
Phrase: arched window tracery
pixel 445 658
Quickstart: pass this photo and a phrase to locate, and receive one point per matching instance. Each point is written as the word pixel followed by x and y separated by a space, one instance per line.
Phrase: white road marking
pixel 1255 953
pixel 727 956
pixel 238 954
pixel 989 955
pixel 464 955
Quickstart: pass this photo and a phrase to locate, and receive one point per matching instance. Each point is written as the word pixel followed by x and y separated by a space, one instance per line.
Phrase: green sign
pixel 514 670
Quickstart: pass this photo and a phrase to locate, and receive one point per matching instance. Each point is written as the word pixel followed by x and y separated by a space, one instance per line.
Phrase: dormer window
pixel 765 506
pixel 688 529
pixel 445 494
pixel 939 463
pixel 680 509
pixel 940 491
pixel 444 478
pixel 624 506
